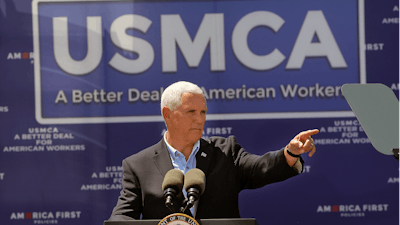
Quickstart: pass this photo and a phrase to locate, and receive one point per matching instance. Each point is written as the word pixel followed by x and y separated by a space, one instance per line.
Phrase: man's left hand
pixel 303 143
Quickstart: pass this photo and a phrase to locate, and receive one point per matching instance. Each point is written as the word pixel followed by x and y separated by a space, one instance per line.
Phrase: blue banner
pixel 81 81
pixel 95 59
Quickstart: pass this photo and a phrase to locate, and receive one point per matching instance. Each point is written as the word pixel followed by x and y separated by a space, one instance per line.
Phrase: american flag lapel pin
pixel 204 154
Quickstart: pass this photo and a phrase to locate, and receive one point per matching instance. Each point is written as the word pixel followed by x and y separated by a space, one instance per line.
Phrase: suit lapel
pixel 203 156
pixel 161 158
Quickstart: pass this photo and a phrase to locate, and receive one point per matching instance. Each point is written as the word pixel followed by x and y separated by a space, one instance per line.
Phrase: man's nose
pixel 200 118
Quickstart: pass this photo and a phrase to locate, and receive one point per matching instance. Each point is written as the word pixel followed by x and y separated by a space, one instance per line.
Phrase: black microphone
pixel 195 184
pixel 172 186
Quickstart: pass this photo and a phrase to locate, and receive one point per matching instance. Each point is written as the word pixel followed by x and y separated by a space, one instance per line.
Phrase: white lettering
pixel 307 168
pixel 17 55
pixel 332 141
pixel 315 24
pixel 325 208
pixel 375 207
pixel 121 39
pixel 173 32
pixel 43 130
pixel 23 148
pixel 395 86
pixel 44 142
pixel 110 174
pixel 361 141
pixel 114 168
pixel 63 136
pixel 241 48
pixel 10 56
pixel 393 180
pixel 218 130
pixel 349 208
pixel 61 97
pixel 210 33
pixel 346 123
pixel 374 46
pixel 3 108
pixel 94 43
pixel 42 215
pixel 65 148
pixel 145 96
pixel 96 187
pixel 316 90
pixel 68 215
pixel 390 20
pixel 19 215
pixel 96 96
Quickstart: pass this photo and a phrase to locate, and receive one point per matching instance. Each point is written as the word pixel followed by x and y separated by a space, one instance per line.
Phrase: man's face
pixel 187 121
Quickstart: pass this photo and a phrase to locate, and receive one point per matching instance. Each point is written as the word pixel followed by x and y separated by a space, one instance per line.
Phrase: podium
pixel 236 221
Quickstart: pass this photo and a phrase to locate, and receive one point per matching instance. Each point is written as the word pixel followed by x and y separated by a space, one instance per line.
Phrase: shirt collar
pixel 173 152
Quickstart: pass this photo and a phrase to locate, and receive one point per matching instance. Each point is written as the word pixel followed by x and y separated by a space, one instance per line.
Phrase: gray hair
pixel 172 95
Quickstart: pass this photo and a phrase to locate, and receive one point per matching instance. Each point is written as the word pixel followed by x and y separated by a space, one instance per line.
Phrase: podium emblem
pixel 178 219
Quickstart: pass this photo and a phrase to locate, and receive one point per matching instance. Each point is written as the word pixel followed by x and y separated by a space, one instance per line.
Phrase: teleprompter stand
pixel 396 153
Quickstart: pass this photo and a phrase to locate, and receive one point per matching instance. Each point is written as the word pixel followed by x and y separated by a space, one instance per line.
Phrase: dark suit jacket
pixel 228 169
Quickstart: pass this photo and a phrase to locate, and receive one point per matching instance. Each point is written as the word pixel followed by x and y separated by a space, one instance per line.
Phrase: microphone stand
pixel 193 194
pixel 170 194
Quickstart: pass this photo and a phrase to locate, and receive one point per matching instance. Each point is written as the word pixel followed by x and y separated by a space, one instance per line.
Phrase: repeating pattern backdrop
pixel 80 84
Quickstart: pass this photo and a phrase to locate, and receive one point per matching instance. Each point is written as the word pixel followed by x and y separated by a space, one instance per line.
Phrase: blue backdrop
pixel 80 84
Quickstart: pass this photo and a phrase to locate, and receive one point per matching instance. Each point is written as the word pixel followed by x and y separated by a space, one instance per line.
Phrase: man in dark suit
pixel 227 166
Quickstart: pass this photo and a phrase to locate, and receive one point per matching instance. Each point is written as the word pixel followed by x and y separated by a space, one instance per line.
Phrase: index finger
pixel 308 133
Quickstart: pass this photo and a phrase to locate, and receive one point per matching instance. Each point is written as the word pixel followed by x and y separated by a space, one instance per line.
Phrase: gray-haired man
pixel 227 166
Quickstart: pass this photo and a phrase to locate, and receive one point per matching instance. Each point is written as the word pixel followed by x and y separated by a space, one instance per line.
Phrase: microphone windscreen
pixel 195 178
pixel 173 179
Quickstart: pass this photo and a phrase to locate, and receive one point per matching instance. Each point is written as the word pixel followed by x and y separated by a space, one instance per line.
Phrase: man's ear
pixel 166 112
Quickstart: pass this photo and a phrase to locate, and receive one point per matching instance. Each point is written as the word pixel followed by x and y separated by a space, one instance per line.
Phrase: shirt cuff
pixel 298 166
